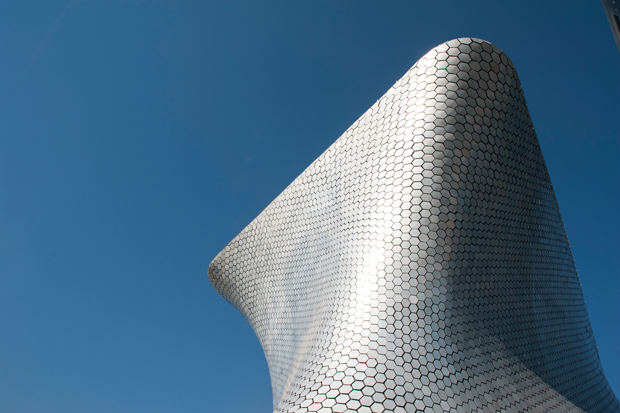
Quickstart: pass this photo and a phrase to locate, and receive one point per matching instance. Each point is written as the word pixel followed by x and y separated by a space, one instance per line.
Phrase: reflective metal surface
pixel 612 10
pixel 421 263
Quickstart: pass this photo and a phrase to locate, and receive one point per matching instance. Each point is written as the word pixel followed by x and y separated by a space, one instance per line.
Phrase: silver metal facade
pixel 612 10
pixel 421 263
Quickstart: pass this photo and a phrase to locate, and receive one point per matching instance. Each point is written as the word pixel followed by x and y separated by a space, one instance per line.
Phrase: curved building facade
pixel 421 263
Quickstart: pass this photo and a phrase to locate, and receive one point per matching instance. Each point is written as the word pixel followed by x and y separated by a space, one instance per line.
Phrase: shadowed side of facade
pixel 421 263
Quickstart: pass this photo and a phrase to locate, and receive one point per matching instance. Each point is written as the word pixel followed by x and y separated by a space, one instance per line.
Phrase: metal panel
pixel 612 10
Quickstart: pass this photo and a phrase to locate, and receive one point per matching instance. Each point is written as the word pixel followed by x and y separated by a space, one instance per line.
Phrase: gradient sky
pixel 137 138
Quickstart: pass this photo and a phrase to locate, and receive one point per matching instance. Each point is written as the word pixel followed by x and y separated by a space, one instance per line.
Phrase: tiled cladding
pixel 420 263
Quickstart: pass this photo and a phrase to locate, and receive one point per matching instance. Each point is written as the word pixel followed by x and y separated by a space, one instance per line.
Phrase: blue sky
pixel 137 138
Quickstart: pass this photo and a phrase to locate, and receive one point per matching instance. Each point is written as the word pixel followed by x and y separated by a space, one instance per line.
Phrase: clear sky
pixel 137 138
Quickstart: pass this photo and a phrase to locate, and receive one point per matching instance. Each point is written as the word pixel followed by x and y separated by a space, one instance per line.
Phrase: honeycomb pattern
pixel 421 263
